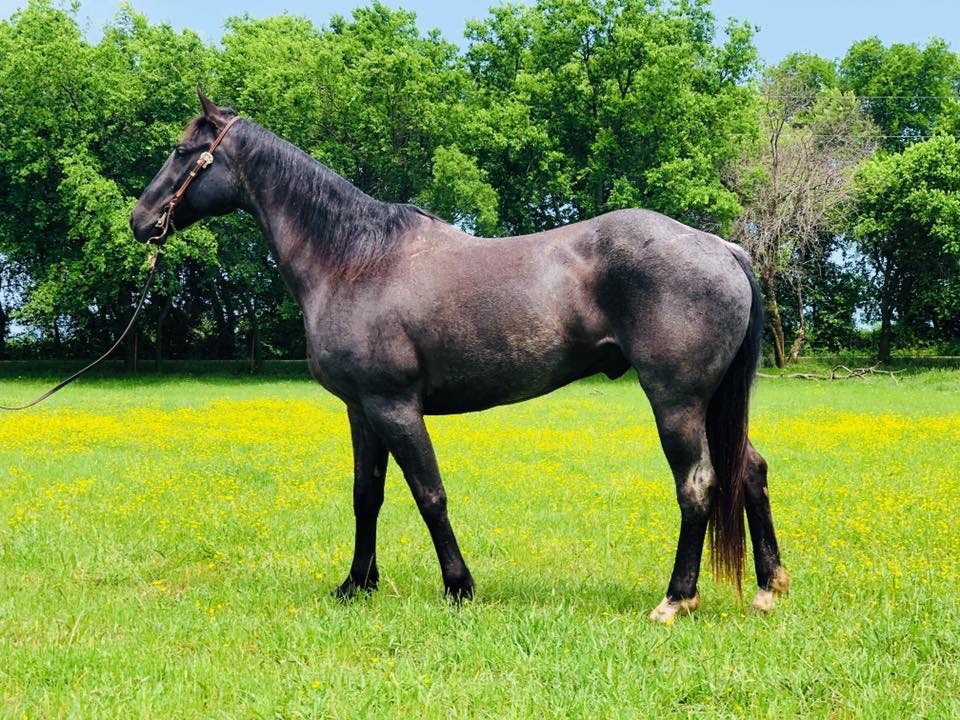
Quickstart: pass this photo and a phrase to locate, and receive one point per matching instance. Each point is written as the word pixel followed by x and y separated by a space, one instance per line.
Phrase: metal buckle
pixel 206 159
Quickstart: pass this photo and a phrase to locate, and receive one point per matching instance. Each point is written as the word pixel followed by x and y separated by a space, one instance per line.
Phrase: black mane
pixel 353 232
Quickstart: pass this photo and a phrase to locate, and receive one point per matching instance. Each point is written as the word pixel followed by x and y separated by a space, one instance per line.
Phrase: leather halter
pixel 165 221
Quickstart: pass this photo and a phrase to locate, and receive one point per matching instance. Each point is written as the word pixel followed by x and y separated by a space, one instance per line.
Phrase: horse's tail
pixel 727 423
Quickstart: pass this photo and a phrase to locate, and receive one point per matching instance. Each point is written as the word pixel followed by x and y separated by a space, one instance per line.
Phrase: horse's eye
pixel 180 151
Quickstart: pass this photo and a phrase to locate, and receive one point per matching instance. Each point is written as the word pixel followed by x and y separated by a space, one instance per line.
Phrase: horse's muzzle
pixel 147 229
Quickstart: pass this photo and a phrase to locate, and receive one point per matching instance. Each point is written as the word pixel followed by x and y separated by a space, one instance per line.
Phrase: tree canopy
pixel 839 175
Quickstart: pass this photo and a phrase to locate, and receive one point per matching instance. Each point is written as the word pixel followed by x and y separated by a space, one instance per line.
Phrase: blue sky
pixel 826 27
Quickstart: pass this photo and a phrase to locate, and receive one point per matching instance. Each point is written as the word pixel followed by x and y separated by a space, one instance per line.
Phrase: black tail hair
pixel 727 426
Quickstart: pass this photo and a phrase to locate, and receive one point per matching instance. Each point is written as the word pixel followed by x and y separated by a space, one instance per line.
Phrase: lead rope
pixel 152 262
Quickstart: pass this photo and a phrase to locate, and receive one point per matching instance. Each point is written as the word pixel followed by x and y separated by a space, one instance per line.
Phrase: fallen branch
pixel 841 372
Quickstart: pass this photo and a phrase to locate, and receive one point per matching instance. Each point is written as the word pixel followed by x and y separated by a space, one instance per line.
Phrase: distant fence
pixel 50 369
pixel 13 369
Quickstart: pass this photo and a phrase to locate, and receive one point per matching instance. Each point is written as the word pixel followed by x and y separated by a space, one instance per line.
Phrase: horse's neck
pixel 300 205
pixel 291 250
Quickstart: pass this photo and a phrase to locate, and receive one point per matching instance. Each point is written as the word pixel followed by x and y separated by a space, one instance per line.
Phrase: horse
pixel 406 315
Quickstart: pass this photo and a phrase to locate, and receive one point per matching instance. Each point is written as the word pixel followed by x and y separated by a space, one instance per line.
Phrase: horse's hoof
pixel 766 598
pixel 764 601
pixel 667 612
pixel 349 589
pixel 459 591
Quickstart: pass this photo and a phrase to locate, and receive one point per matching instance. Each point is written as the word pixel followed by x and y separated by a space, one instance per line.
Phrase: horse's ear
pixel 210 109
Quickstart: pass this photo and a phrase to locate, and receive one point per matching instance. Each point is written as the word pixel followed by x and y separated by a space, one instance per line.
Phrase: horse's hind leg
pixel 684 440
pixel 369 471
pixel 772 578
pixel 401 426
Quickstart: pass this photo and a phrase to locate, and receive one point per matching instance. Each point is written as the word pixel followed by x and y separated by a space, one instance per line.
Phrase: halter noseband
pixel 165 221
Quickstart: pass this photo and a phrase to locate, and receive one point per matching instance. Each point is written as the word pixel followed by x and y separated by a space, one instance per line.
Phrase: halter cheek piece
pixel 165 221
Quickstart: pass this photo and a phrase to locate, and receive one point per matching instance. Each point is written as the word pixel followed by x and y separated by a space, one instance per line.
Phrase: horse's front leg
pixel 400 425
pixel 369 470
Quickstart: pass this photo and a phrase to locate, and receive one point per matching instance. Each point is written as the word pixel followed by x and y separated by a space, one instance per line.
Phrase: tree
pixel 592 105
pixel 460 192
pixel 44 110
pixel 909 92
pixel 82 129
pixel 555 111
pixel 908 228
pixel 369 96
pixel 836 292
pixel 796 182
pixel 512 146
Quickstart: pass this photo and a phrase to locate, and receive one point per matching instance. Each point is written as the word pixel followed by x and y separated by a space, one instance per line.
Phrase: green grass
pixel 168 547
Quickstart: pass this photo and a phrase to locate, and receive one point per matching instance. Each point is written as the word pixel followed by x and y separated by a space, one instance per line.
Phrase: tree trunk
pixel 776 324
pixel 158 361
pixel 4 318
pixel 256 353
pixel 888 291
pixel 3 331
pixel 256 357
pixel 801 337
pixel 132 347
pixel 886 329
pixel 798 343
pixel 226 323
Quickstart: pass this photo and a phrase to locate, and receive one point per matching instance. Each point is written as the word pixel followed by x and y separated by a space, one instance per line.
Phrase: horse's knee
pixel 432 503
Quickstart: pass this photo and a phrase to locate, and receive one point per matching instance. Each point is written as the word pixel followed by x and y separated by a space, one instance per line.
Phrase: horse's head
pixel 196 181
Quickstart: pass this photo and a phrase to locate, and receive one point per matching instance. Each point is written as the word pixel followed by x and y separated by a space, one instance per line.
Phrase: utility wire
pixel 794 96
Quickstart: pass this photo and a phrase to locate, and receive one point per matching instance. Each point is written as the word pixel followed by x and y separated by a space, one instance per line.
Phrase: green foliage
pixel 612 103
pixel 554 112
pixel 835 297
pixel 909 91
pixel 371 97
pixel 908 227
pixel 84 127
pixel 460 192
pixel 802 76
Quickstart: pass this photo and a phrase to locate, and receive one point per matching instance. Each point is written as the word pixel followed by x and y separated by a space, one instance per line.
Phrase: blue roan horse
pixel 405 316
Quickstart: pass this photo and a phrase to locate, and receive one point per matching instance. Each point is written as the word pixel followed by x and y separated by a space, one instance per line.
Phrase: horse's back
pixel 631 287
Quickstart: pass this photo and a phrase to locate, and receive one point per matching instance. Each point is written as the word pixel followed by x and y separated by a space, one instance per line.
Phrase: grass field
pixel 168 547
